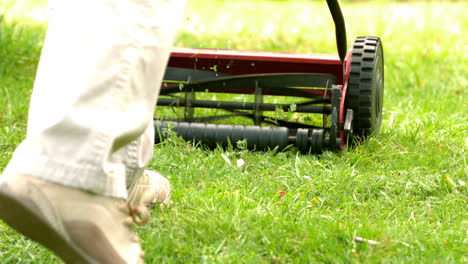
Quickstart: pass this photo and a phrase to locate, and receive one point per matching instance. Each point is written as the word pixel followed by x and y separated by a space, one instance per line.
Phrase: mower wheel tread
pixel 365 86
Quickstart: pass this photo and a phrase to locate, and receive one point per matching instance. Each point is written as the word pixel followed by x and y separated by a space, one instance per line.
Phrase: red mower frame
pixel 355 98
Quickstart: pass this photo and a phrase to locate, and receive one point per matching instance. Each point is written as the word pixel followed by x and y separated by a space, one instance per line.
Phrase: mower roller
pixel 313 102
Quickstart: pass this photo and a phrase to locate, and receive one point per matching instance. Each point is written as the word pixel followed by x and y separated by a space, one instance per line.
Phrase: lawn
pixel 406 188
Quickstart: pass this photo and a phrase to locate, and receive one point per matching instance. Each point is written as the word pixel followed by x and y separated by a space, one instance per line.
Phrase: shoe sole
pixel 20 215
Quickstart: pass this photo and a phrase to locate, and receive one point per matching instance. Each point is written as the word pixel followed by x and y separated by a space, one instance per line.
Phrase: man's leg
pixel 145 187
pixel 95 90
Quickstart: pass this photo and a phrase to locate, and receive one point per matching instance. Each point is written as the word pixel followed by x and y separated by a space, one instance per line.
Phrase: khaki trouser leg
pixel 96 86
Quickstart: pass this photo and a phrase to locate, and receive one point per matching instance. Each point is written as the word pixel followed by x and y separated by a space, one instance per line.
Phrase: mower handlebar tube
pixel 340 29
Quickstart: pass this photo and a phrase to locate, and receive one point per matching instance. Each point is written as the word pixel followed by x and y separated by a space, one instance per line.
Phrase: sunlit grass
pixel 405 188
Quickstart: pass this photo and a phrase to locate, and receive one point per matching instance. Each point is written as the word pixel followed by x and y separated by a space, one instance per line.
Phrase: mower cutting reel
pixel 313 102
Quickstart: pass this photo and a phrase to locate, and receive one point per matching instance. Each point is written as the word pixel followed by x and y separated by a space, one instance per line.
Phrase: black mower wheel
pixel 366 86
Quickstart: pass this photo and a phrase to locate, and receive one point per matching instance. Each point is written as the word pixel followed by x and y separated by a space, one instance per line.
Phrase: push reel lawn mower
pixel 314 102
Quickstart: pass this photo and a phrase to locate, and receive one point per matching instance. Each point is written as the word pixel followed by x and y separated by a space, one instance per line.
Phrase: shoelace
pixel 137 214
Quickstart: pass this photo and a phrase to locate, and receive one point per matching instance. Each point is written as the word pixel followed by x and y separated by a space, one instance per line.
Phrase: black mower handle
pixel 340 29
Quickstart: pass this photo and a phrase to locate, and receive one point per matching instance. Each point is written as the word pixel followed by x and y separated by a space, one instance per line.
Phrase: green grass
pixel 405 188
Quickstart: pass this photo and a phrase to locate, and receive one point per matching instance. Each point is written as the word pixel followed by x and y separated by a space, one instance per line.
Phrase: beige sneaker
pixel 149 189
pixel 79 227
